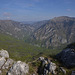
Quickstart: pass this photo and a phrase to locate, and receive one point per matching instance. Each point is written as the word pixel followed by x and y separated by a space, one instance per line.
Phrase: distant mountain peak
pixel 62 18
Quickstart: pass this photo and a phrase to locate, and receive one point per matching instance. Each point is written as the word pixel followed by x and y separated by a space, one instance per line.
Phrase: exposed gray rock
pixel 4 53
pixel 52 68
pixel 44 62
pixel 67 57
pixel 2 62
pixel 47 67
pixel 41 58
pixel 8 63
pixel 19 68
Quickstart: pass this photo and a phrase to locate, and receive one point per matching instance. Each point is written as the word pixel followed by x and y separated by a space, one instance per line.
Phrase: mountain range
pixel 48 33
pixel 15 29
pixel 56 32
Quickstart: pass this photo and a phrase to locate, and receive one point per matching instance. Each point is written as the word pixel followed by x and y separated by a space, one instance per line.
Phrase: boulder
pixel 44 62
pixel 18 68
pixel 52 68
pixel 46 67
pixel 8 63
pixel 41 58
pixel 15 68
pixel 67 57
pixel 4 53
pixel 2 62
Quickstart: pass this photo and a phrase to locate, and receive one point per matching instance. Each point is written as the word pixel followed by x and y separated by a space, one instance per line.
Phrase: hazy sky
pixel 35 10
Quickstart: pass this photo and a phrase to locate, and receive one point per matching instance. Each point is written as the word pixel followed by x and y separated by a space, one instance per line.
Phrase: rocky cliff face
pixel 56 32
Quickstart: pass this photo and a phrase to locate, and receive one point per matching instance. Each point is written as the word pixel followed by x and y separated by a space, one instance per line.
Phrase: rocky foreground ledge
pixel 11 67
pixel 46 67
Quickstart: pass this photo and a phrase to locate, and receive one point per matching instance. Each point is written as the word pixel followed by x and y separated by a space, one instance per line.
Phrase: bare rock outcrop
pixel 4 53
pixel 10 66
pixel 46 67
pixel 18 68
pixel 2 62
pixel 8 63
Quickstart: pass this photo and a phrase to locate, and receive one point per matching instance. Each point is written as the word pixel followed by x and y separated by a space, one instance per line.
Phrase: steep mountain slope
pixel 15 29
pixel 57 31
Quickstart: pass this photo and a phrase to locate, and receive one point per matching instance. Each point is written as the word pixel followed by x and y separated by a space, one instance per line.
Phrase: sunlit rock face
pixel 2 61
pixel 4 53
pixel 11 67
pixel 19 68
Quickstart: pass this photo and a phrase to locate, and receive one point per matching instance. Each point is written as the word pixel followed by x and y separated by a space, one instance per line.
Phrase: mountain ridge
pixel 16 29
pixel 56 31
pixel 48 33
